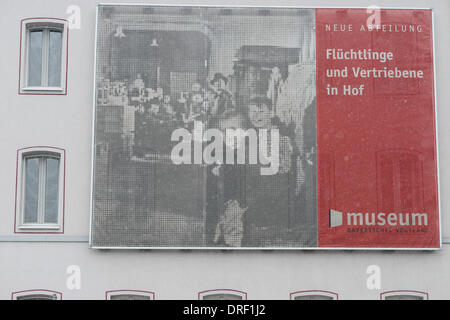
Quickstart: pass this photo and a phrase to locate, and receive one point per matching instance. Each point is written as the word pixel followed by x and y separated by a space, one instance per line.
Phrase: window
pixel 43 56
pixel 37 295
pixel 314 295
pixel 40 197
pixel 222 294
pixel 130 295
pixel 404 295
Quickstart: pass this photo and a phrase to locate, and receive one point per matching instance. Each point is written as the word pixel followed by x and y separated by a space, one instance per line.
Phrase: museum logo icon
pixel 336 219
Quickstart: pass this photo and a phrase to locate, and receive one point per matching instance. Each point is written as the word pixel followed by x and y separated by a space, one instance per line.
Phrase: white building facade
pixel 59 124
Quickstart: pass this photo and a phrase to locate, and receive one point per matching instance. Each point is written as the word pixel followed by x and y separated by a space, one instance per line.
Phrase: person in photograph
pixel 182 112
pixel 167 108
pixel 225 187
pixel 276 85
pixel 194 102
pixel 154 111
pixel 220 96
pixel 140 124
pixel 261 116
pixel 269 197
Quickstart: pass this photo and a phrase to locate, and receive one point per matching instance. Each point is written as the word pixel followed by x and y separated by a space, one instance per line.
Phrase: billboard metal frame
pixel 264 248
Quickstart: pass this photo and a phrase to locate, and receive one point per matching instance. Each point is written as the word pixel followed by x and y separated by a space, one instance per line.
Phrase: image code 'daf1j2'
pixel 264 128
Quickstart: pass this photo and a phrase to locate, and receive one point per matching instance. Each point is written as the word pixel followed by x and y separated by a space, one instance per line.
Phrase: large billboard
pixel 265 128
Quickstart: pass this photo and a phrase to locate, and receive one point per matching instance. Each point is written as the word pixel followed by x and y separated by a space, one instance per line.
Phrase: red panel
pixel 377 151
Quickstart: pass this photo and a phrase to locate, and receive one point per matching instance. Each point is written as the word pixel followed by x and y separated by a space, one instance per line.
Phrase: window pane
pixel 31 190
pixel 404 297
pixel 54 59
pixel 221 296
pixel 37 297
pixel 35 58
pixel 313 297
pixel 51 191
pixel 129 297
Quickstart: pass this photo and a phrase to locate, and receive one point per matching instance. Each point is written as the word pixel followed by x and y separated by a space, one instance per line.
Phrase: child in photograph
pixel 225 207
pixel 261 117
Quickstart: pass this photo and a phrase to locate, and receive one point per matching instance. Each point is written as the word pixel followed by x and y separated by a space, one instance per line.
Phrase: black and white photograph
pixel 205 128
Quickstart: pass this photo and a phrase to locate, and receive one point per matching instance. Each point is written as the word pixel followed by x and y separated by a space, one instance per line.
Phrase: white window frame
pixel 112 293
pixel 203 294
pixel 22 155
pixel 50 293
pixel 394 293
pixel 332 295
pixel 45 24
